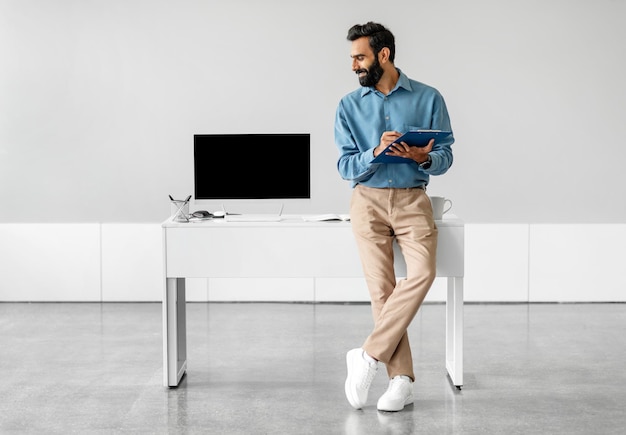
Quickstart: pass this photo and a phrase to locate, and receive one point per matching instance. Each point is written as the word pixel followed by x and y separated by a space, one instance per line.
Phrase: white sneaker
pixel 399 394
pixel 360 376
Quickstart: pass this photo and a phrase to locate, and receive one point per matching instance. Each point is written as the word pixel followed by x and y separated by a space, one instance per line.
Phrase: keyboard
pixel 252 218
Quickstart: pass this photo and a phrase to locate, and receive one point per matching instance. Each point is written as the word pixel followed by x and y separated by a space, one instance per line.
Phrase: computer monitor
pixel 248 168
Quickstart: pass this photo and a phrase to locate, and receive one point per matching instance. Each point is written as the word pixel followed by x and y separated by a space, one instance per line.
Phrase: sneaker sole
pixel 354 402
pixel 390 409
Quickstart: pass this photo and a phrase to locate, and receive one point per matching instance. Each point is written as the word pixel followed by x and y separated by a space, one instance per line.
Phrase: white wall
pixel 99 102
pixel 124 262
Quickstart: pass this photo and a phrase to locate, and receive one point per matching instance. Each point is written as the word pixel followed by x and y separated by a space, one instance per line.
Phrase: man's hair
pixel 378 35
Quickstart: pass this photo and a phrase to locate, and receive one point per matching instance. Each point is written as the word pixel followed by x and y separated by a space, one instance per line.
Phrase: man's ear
pixel 383 55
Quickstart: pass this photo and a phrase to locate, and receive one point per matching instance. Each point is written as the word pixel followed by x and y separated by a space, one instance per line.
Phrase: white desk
pixel 290 248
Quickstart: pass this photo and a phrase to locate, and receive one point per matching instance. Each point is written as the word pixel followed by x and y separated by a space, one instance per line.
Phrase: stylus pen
pixel 172 199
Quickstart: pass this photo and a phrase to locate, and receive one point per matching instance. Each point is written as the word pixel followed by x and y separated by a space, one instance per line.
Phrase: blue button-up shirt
pixel 364 114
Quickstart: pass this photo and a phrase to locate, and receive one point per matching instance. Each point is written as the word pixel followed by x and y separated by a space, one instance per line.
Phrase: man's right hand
pixel 386 139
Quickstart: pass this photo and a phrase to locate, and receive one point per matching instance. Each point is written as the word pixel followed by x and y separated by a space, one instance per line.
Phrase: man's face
pixel 364 63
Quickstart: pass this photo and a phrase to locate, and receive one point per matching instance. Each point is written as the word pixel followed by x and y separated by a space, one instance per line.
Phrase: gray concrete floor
pixel 91 368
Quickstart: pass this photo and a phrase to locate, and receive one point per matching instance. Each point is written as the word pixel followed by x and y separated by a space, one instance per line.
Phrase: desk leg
pixel 174 332
pixel 454 330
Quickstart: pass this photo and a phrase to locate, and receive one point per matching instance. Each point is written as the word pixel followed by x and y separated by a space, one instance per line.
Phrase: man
pixel 389 202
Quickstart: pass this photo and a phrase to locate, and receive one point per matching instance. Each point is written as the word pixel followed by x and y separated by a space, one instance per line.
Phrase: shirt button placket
pixel 387 114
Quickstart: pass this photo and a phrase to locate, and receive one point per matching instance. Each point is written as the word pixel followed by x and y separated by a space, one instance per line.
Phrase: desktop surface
pixel 449 220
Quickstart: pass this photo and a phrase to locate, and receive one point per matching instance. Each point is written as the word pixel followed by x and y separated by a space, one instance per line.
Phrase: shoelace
pixel 395 384
pixel 369 377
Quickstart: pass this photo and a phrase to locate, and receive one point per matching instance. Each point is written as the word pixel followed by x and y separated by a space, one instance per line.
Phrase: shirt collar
pixel 403 82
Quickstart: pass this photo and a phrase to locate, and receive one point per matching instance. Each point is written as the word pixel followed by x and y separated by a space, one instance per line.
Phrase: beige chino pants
pixel 378 217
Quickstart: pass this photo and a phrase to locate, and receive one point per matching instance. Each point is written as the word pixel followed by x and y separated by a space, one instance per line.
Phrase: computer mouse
pixel 201 214
pixel 219 213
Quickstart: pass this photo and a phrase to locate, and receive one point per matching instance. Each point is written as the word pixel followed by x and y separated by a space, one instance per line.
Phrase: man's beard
pixel 372 74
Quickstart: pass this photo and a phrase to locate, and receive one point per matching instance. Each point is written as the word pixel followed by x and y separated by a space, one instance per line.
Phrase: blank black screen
pixel 252 166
